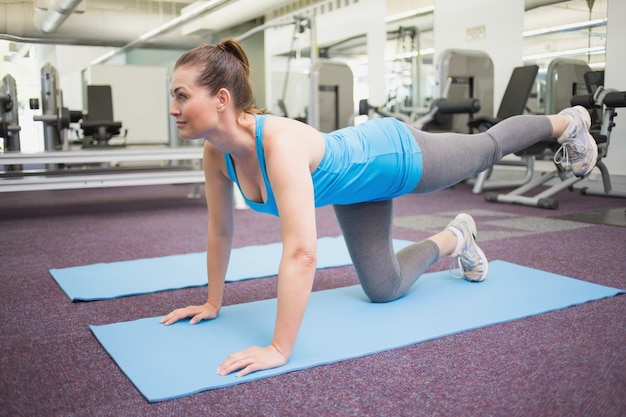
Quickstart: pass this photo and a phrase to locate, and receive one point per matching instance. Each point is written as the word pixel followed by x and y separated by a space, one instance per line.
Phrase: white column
pixel 491 26
pixel 376 39
pixel 615 77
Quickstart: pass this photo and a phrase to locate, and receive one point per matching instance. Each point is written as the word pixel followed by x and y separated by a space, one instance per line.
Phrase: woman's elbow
pixel 306 258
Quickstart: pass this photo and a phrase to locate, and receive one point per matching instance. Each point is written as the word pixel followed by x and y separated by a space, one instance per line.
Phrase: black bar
pixel 615 99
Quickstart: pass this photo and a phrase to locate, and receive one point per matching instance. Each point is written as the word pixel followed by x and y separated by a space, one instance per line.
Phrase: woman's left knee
pixel 381 295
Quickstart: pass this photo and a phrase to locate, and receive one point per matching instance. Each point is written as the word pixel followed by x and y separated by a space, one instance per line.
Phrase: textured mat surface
pixel 166 362
pixel 142 276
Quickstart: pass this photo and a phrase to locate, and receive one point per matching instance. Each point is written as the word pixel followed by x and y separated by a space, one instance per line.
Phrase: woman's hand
pixel 251 360
pixel 197 313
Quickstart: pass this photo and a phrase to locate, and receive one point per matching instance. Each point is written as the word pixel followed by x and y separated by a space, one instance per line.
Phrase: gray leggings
pixel 448 158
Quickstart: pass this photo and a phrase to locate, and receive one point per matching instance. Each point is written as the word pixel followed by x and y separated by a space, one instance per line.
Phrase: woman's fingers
pixel 251 360
pixel 197 313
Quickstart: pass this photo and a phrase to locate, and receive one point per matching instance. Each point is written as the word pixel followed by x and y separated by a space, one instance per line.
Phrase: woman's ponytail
pixel 224 65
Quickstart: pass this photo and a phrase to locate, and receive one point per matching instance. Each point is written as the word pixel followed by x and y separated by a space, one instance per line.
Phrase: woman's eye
pixel 178 96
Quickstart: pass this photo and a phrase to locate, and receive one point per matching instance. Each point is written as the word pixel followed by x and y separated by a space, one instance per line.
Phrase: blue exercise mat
pixel 166 362
pixel 142 276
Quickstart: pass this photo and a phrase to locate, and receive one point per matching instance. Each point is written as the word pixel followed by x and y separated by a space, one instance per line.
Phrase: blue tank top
pixel 376 160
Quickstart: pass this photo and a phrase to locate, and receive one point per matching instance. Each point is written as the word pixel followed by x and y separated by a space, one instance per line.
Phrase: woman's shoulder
pixel 284 126
pixel 214 165
pixel 213 155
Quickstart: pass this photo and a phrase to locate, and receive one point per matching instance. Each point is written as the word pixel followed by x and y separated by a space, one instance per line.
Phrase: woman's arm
pixel 219 197
pixel 293 190
pixel 287 159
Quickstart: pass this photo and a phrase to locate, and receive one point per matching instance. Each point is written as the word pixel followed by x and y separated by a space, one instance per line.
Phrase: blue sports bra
pixel 376 160
pixel 269 206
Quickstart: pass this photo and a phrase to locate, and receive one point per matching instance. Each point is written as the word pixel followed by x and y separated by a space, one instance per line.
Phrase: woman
pixel 287 168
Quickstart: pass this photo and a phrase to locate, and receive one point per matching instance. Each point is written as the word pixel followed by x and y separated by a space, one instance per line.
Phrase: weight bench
pixel 98 125
pixel 605 100
pixel 513 103
pixel 438 112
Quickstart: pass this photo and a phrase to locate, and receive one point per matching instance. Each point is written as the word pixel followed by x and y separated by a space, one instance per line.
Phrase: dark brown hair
pixel 224 65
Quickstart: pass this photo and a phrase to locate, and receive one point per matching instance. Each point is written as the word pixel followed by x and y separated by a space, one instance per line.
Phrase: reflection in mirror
pixel 572 31
pixel 409 79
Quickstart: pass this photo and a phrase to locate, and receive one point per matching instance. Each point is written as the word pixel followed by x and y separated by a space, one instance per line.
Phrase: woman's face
pixel 193 106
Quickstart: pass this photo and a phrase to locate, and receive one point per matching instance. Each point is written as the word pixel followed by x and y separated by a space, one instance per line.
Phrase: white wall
pixel 363 18
pixel 500 25
pixel 70 61
pixel 370 21
pixel 615 77
pixel 139 99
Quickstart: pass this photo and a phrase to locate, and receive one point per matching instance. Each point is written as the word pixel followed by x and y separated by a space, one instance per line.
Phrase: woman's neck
pixel 235 135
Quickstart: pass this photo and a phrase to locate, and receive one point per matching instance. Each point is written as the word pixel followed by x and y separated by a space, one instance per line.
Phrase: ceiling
pixel 119 23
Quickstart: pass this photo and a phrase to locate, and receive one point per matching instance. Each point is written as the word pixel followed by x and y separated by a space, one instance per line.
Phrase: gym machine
pixel 9 119
pixel 97 164
pixel 56 118
pixel 605 100
pixel 10 126
pixel 332 89
pixel 440 109
pixel 462 75
pixel 330 86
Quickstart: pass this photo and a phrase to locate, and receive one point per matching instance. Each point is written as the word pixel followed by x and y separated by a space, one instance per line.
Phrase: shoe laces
pixel 561 156
pixel 458 270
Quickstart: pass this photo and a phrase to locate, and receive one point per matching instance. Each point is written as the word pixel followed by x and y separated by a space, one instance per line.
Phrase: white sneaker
pixel 578 147
pixel 472 261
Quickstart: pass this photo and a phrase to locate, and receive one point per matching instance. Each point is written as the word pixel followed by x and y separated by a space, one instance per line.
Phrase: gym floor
pixel 564 363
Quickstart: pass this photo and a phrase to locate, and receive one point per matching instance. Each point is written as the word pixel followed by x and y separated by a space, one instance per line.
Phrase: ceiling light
pixel 409 13
pixel 563 28
pixel 582 51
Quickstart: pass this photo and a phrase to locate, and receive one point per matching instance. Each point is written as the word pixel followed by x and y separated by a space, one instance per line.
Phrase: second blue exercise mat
pixel 166 362
pixel 143 276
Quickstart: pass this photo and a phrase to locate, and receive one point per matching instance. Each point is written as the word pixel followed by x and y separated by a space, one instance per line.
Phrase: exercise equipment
pixel 332 86
pixel 301 24
pixel 438 112
pixel 404 92
pixel 565 78
pixel 55 118
pixel 98 124
pixel 103 177
pixel 9 117
pixel 97 164
pixel 513 103
pixel 459 89
pixel 465 74
pixel 125 278
pixel 340 324
pixel 459 78
pixel 608 100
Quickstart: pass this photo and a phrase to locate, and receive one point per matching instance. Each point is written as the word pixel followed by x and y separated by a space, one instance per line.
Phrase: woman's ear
pixel 223 98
